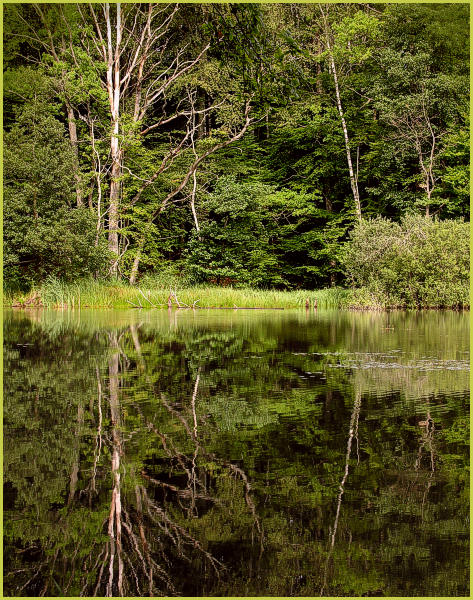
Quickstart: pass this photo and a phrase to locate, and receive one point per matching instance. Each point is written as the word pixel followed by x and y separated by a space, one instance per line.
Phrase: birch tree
pixel 146 51
pixel 347 44
pixel 333 71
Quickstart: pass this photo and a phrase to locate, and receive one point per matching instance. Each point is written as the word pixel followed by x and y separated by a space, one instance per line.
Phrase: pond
pixel 236 453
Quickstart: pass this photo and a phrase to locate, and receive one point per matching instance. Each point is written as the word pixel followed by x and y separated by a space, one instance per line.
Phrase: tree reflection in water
pixel 234 457
pixel 136 559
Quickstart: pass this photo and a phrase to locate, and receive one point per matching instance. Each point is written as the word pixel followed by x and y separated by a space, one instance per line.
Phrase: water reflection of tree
pixel 182 464
pixel 140 529
pixel 131 542
pixel 352 433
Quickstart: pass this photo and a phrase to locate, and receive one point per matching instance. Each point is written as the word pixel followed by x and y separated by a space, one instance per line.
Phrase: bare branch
pixel 197 162
pixel 100 48
pixel 177 73
pixel 181 114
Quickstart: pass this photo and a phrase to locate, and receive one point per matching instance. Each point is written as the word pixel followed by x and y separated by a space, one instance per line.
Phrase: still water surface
pixel 245 453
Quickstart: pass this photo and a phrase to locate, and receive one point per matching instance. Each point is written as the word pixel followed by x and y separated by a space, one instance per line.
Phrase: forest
pixel 260 146
pixel 238 156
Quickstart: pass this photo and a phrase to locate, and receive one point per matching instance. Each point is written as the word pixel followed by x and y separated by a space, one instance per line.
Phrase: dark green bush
pixel 419 262
pixel 44 233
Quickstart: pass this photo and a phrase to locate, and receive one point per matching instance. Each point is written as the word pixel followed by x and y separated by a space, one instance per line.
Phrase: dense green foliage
pixel 44 235
pixel 418 262
pixel 241 143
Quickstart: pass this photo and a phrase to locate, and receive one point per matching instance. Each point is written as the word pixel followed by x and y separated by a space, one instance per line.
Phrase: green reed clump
pixel 204 296
pixel 54 293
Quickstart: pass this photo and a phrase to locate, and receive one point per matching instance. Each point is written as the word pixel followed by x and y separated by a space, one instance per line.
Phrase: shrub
pixel 419 262
pixel 44 234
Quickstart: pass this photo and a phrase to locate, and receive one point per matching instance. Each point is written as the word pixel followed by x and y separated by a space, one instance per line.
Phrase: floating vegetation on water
pixel 421 365
pixel 355 361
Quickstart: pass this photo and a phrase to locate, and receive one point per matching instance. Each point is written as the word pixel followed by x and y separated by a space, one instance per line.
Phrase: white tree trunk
pixel 113 88
pixel 353 179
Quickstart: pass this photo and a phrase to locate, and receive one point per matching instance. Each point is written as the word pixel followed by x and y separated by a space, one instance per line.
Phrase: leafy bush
pixel 44 234
pixel 419 262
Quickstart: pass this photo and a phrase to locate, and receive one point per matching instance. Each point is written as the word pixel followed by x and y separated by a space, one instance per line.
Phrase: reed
pixel 54 293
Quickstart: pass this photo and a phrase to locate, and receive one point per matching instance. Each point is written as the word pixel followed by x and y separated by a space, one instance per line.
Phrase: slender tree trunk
pixel 200 118
pixel 136 264
pixel 430 179
pixel 74 143
pixel 427 172
pixel 114 206
pixel 194 213
pixel 113 88
pixel 353 179
pixel 318 84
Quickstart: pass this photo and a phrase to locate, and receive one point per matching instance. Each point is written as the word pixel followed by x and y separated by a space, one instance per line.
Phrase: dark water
pixel 253 453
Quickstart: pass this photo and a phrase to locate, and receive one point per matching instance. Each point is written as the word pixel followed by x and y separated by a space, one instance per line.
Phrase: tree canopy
pixel 241 142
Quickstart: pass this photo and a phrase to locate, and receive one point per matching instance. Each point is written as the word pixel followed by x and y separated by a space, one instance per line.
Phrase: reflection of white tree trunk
pixel 135 556
pixel 74 477
pixel 136 342
pixel 91 488
pixel 115 516
pixel 427 442
pixel 193 480
pixel 352 433
pixel 136 553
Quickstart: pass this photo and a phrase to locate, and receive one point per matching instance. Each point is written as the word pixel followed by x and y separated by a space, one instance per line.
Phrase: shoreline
pixel 117 295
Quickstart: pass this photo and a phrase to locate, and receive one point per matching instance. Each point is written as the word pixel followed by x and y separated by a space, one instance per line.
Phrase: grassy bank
pixel 98 294
pixel 154 295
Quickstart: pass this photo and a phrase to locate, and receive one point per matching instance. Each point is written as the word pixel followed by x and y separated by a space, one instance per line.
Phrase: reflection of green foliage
pixel 458 432
pixel 230 415
pixel 273 404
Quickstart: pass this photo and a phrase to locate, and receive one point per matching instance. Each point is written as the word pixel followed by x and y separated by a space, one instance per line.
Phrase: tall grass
pixel 54 293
